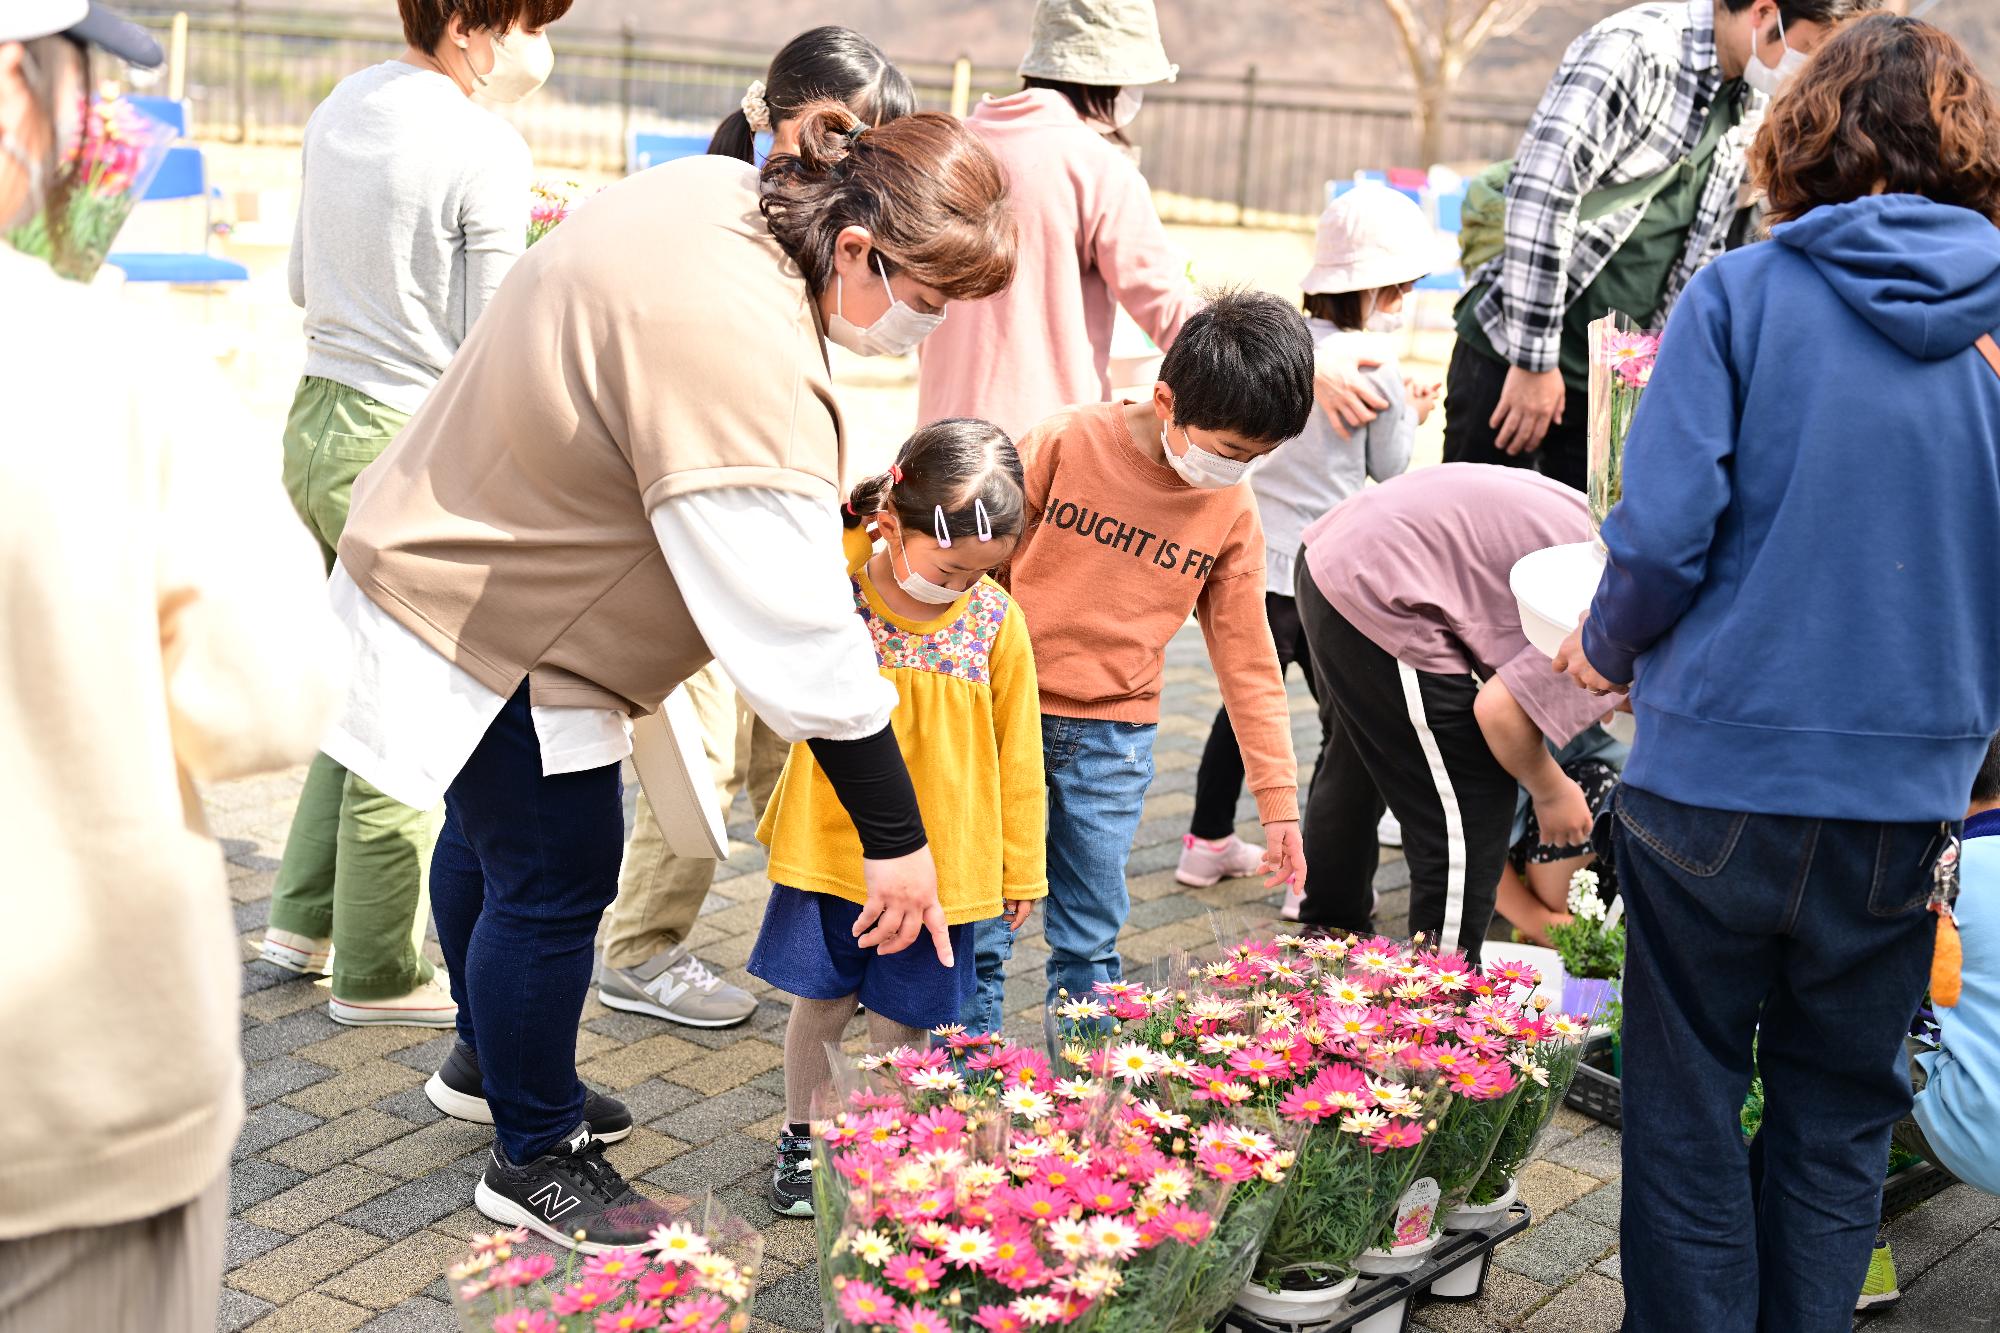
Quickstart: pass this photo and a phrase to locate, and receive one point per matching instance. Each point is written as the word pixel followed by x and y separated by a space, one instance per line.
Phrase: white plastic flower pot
pixel 1479 1216
pixel 1384 1321
pixel 1461 1283
pixel 1397 1259
pixel 1311 1305
pixel 1553 587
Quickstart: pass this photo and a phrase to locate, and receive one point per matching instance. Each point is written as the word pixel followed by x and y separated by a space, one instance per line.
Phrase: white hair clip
pixel 755 109
pixel 938 527
pixel 985 523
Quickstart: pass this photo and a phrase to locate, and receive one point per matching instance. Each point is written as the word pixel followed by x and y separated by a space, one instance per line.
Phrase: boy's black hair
pixel 1243 363
pixel 1986 782
pixel 947 465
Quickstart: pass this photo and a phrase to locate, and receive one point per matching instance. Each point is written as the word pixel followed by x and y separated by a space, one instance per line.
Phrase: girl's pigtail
pixel 866 500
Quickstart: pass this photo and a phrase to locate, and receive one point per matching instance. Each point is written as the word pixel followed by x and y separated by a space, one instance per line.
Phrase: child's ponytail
pixel 955 478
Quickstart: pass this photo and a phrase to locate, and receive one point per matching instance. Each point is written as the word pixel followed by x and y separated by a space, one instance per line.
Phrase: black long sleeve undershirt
pixel 873 784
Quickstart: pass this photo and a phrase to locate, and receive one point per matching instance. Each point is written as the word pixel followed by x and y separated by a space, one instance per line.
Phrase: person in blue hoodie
pixel 1799 596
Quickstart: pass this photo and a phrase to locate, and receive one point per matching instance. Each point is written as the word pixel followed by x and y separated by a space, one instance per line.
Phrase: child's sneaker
pixel 791 1192
pixel 571 1195
pixel 1879 1292
pixel 1205 862
pixel 1294 899
pixel 1390 831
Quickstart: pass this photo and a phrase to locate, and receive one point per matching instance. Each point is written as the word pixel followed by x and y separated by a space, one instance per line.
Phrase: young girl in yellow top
pixel 969 722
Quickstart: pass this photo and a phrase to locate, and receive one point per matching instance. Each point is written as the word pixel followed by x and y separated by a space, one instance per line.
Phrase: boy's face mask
pixel 1198 467
pixel 522 62
pixel 1771 80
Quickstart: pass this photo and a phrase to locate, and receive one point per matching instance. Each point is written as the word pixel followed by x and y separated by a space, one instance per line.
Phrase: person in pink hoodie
pixel 1090 238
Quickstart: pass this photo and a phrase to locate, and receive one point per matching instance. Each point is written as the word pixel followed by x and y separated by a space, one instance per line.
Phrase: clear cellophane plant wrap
pixel 1547 1068
pixel 95 190
pixel 967 1187
pixel 1621 366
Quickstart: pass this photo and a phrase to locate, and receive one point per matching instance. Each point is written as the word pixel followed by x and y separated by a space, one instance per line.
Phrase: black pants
pixel 1218 783
pixel 1471 395
pixel 1409 735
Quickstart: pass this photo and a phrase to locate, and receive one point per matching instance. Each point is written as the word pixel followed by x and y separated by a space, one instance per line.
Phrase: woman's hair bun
pixel 827 134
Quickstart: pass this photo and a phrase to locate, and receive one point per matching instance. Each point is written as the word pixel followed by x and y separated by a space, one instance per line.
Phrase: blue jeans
pixel 524 867
pixel 1098 773
pixel 1808 938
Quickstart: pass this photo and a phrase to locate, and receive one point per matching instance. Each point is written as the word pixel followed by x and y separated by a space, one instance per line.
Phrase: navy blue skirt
pixel 806 947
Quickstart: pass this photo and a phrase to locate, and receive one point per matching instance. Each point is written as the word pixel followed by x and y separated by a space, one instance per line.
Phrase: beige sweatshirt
pixel 165 624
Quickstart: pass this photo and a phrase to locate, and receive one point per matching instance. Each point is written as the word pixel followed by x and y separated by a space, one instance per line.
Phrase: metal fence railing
pixel 1214 148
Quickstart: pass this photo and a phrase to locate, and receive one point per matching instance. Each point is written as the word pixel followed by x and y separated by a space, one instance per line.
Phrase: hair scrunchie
pixel 755 109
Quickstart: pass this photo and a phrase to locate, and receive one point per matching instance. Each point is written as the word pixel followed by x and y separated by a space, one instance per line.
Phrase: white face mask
pixel 1198 467
pixel 1125 108
pixel 917 585
pixel 897 333
pixel 1385 321
pixel 1770 80
pixel 522 62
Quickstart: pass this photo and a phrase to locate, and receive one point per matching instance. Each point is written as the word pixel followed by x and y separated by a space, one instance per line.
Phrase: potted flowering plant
pixel 1547 1064
pixel 1592 946
pixel 96 189
pixel 965 1187
pixel 696 1275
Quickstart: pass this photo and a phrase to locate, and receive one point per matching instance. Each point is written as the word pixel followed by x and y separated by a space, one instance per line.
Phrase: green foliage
pixel 1589 948
pixel 1532 1114
pixel 1342 1195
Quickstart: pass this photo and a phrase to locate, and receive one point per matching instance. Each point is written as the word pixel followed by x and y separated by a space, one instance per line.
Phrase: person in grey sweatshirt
pixel 413 207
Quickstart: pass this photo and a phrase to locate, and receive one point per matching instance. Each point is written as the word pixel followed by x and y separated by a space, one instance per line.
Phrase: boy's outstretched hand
pixel 1017 912
pixel 902 905
pixel 1284 855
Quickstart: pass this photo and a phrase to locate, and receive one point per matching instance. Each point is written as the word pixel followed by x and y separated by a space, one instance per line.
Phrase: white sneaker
pixel 1389 832
pixel 1205 862
pixel 303 954
pixel 428 1006
pixel 1294 899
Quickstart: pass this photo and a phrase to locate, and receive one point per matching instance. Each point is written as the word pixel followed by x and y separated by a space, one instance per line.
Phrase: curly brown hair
pixel 930 194
pixel 1889 106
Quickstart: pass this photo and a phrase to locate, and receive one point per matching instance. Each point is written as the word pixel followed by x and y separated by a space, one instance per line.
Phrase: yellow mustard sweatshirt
pixel 969 721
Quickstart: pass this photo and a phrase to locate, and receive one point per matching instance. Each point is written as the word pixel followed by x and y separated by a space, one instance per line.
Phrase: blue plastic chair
pixel 184 175
pixel 167 110
pixel 649 150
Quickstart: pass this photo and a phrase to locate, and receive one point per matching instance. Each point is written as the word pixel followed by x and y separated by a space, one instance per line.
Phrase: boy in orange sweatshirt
pixel 1137 517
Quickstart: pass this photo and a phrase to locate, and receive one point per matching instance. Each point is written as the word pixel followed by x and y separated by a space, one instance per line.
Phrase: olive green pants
pixel 356 862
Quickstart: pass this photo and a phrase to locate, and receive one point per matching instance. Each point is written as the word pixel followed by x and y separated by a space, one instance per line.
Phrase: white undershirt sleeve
pixel 763 576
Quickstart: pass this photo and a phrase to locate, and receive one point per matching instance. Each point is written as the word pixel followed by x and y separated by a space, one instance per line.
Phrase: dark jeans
pixel 1218 783
pixel 1471 394
pixel 524 867
pixel 1808 937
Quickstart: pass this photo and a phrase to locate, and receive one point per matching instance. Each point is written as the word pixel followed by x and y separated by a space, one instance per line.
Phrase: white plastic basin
pixel 1553 588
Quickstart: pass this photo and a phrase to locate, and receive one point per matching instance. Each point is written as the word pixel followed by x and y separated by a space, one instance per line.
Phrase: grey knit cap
pixel 1106 43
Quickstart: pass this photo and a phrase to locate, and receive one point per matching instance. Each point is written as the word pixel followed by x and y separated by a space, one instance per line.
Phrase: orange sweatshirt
pixel 1117 552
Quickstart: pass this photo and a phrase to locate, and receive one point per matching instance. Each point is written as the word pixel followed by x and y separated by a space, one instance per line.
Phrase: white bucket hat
pixel 1105 43
pixel 86 21
pixel 1371 236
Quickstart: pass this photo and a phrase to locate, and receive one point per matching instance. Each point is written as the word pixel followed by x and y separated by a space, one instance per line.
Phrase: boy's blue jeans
pixel 1809 937
pixel 1098 773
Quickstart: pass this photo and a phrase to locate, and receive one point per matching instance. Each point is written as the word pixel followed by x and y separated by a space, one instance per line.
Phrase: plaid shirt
pixel 1628 102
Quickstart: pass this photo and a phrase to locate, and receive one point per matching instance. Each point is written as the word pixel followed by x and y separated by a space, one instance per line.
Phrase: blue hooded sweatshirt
pixel 1804 575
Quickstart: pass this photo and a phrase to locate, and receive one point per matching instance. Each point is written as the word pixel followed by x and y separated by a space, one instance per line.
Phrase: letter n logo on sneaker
pixel 552 1202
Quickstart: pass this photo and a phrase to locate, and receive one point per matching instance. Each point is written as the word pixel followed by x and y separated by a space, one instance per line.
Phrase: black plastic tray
pixel 1373 1295
pixel 1912 1185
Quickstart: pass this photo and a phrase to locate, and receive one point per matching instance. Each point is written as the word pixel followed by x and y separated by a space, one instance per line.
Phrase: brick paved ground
pixel 351 1193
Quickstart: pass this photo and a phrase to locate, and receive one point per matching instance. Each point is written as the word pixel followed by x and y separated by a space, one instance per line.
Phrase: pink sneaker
pixel 1204 862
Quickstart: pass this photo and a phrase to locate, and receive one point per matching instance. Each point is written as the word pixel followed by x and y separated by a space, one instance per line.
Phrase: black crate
pixel 1373 1295
pixel 1912 1185
pixel 1594 1091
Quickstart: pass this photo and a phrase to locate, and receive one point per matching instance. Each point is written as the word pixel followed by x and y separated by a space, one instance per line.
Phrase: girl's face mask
pixel 915 584
pixel 1198 467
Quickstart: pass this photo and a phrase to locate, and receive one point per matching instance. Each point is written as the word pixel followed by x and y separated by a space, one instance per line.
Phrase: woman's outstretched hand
pixel 902 904
pixel 1284 855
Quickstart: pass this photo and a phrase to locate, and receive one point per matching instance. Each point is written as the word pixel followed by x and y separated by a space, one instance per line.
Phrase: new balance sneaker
pixel 1390 831
pixel 428 1006
pixel 458 1091
pixel 304 954
pixel 1205 861
pixel 571 1195
pixel 791 1191
pixel 1878 1291
pixel 678 987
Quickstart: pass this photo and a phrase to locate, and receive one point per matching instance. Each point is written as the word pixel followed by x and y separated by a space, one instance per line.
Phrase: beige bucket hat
pixel 1105 43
